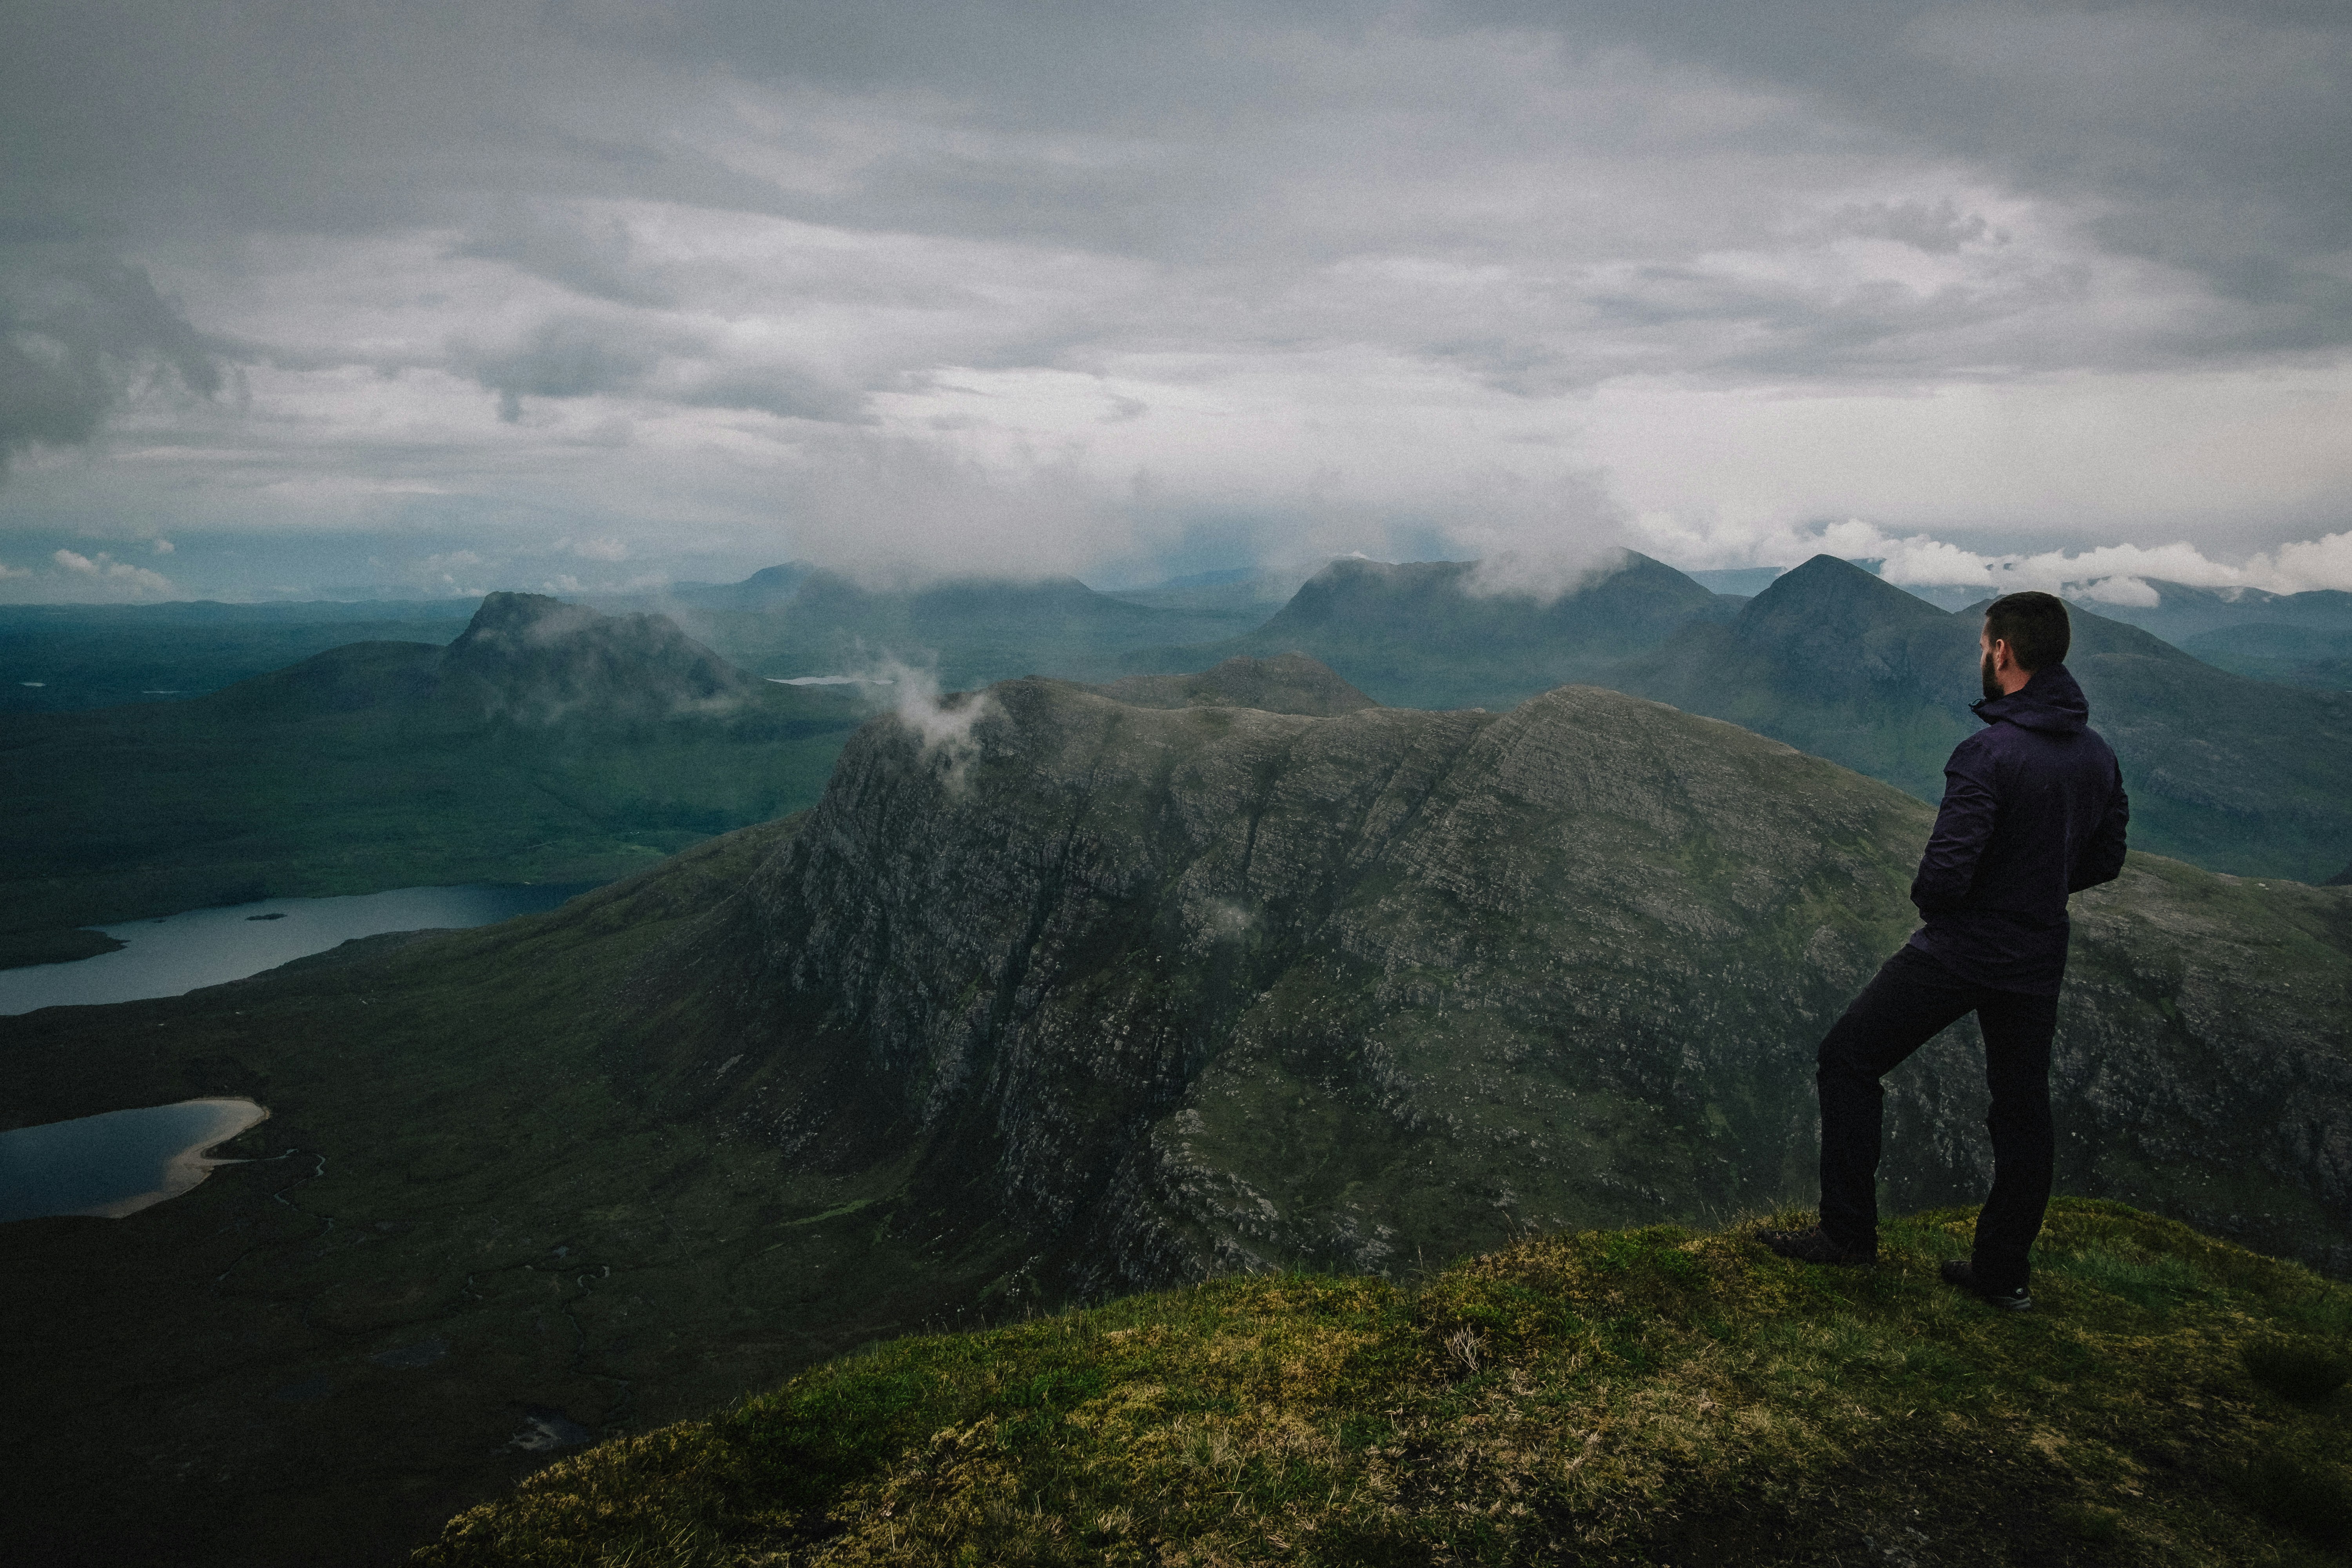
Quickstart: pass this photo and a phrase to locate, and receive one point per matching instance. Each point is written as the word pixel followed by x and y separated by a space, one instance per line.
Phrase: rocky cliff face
pixel 1175 990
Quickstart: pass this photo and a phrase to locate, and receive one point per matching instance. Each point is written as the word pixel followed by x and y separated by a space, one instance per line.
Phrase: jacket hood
pixel 2049 702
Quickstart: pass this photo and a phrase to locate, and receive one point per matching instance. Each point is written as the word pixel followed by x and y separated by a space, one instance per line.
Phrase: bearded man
pixel 2033 811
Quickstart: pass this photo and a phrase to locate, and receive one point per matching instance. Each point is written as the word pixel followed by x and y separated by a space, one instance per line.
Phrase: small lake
pixel 117 1162
pixel 208 947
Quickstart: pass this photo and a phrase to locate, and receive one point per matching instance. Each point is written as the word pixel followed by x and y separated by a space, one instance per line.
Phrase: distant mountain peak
pixel 532 657
pixel 1838 596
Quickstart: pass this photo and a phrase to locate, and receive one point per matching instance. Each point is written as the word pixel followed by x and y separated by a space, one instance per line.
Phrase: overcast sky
pixel 588 292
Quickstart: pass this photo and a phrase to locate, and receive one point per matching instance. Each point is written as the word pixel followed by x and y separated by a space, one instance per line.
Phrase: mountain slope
pixel 545 744
pixel 2236 774
pixel 1287 683
pixel 2293 655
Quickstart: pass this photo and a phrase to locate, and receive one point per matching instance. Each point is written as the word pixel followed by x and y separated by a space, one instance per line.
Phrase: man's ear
pixel 2003 655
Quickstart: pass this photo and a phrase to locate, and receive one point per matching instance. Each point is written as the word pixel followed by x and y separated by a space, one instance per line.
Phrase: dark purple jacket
pixel 2033 810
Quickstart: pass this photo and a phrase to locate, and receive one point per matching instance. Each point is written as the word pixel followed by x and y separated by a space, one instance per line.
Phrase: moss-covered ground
pixel 1650 1395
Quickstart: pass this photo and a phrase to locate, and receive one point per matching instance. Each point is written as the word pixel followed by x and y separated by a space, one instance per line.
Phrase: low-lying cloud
pixel 2111 574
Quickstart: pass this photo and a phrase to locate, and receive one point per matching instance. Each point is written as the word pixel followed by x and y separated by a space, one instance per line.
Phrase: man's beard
pixel 1991 681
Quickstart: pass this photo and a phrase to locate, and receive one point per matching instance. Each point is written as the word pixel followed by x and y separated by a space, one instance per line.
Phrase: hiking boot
pixel 1816 1245
pixel 1960 1272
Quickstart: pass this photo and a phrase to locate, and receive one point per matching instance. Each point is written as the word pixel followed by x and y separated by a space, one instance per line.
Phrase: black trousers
pixel 1913 997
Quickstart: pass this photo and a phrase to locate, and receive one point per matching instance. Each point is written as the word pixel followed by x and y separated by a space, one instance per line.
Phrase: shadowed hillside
pixel 546 743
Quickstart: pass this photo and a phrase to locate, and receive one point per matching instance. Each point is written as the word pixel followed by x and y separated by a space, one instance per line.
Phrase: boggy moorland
pixel 1060 994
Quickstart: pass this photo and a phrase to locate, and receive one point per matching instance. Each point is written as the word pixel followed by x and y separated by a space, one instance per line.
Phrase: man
pixel 2033 810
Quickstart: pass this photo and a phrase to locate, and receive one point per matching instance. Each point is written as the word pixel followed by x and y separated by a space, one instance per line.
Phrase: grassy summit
pixel 1647 1395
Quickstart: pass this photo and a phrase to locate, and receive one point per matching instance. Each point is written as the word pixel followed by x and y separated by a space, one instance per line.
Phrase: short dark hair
pixel 2034 625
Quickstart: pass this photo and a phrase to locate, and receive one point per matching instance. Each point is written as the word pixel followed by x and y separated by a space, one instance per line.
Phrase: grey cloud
pixel 2214 135
pixel 568 356
pixel 74 340
pixel 783 391
pixel 1940 230
pixel 593 258
pixel 640 355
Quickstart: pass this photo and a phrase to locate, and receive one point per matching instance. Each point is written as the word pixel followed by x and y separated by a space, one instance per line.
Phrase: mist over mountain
pixel 794 620
pixel 1436 634
pixel 2179 611
pixel 547 742
pixel 532 658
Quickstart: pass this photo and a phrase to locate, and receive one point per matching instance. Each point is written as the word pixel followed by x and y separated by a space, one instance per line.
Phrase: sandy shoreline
pixel 192 1164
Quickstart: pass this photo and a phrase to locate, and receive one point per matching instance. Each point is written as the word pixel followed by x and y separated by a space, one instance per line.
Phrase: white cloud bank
pixel 116 579
pixel 2112 574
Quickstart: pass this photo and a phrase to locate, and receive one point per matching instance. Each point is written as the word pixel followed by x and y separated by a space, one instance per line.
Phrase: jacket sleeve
pixel 1947 871
pixel 2102 859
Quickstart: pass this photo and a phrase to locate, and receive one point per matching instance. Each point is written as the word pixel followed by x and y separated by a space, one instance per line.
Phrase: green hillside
pixel 1640 1396
pixel 54 658
pixel 2293 655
